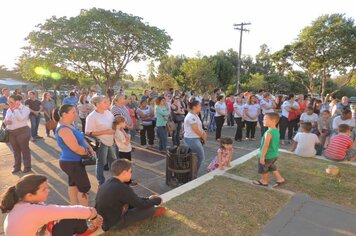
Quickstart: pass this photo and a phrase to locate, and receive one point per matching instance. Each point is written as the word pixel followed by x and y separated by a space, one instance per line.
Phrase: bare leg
pixel 73 195
pixel 83 199
pixel 278 176
pixel 264 179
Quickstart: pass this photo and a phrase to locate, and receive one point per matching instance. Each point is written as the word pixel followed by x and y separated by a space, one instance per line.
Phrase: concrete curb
pixel 205 178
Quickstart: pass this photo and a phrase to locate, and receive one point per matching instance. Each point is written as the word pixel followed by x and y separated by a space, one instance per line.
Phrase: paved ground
pixel 149 166
pixel 309 217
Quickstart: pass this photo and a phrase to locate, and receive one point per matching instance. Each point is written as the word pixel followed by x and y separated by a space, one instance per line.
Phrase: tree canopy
pixel 97 43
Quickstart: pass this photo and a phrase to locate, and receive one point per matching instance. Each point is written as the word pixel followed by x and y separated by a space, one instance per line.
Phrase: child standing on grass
pixel 268 153
pixel 305 141
pixel 224 155
pixel 122 139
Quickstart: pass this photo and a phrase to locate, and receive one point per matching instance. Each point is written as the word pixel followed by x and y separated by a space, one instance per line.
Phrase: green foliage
pixel 98 43
pixel 199 74
pixel 256 82
pixel 325 47
pixel 6 73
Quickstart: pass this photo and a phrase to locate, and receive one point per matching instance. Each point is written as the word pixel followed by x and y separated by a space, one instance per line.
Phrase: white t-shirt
pixel 120 141
pixel 309 118
pixel 221 107
pixel 287 104
pixel 189 120
pixel 252 110
pixel 338 121
pixel 306 144
pixel 240 109
pixel 268 104
pixel 98 122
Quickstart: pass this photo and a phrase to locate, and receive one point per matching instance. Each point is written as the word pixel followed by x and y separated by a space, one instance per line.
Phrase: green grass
pixel 219 207
pixel 307 175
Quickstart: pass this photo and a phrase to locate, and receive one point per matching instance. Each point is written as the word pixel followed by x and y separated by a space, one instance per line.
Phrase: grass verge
pixel 219 207
pixel 307 175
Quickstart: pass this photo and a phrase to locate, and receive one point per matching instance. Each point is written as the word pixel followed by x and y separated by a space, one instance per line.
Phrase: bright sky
pixel 195 26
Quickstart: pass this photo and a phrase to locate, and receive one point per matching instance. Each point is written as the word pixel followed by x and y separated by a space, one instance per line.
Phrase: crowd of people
pixel 310 125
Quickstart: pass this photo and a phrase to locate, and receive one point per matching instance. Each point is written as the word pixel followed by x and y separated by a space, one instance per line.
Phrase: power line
pixel 242 29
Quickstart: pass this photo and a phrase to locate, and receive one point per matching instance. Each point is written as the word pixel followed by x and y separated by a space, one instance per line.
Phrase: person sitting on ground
pixel 224 155
pixel 343 105
pixel 29 215
pixel 324 126
pixel 340 145
pixel 345 118
pixel 118 203
pixel 311 117
pixel 305 141
pixel 268 153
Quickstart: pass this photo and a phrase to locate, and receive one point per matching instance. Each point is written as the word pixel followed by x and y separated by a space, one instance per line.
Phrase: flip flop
pixel 259 183
pixel 277 184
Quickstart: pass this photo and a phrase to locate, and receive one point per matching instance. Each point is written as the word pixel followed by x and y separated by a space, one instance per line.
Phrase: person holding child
pixel 305 141
pixel 340 145
pixel 268 153
pixel 224 155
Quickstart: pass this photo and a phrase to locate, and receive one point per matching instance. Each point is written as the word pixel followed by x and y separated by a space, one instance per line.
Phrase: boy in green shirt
pixel 268 154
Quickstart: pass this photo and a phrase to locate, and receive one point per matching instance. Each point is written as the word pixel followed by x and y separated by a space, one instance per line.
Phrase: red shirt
pixel 337 147
pixel 230 105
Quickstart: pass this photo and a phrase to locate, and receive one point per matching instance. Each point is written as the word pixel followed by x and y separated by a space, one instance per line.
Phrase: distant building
pixel 15 84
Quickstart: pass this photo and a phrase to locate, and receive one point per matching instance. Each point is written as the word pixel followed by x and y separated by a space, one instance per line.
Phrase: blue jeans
pixel 195 145
pixel 105 154
pixel 175 135
pixel 212 124
pixel 162 137
pixel 206 111
pixel 35 122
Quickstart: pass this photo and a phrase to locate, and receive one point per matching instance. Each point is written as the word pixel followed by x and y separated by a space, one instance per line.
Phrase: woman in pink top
pixel 29 215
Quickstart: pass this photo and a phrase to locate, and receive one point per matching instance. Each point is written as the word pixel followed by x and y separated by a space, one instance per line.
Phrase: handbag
pixel 171 126
pixel 4 134
pixel 88 160
pixel 51 124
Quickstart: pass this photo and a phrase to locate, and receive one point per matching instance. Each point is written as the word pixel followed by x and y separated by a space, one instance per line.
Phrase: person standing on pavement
pixel 194 133
pixel 230 110
pixel 5 93
pixel 48 106
pixel 73 146
pixel 178 115
pixel 16 120
pixel 220 114
pixel 84 109
pixel 251 112
pixel 162 114
pixel 99 125
pixel 146 115
pixel 35 116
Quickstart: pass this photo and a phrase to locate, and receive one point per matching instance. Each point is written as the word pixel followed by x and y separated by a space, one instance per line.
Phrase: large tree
pixel 97 43
pixel 323 49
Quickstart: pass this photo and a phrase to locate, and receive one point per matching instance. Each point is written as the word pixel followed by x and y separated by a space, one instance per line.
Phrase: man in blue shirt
pixel 3 101
pixel 72 99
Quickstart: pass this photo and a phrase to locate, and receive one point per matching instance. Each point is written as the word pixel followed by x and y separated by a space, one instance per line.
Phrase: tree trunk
pixel 323 83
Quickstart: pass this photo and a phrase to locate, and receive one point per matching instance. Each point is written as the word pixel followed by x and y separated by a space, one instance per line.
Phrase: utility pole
pixel 241 28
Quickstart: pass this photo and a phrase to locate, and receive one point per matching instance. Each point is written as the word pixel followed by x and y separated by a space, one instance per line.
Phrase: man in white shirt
pixel 345 118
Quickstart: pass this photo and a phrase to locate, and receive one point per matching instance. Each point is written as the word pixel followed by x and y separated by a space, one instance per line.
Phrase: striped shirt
pixel 337 147
pixel 122 111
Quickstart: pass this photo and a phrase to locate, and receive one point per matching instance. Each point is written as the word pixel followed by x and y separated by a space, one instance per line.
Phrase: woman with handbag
pixel 16 119
pixel 178 115
pixel 47 107
pixel 74 147
pixel 290 112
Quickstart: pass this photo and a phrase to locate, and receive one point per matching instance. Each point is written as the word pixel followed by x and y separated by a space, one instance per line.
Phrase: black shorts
pixel 77 175
pixel 269 166
pixel 125 155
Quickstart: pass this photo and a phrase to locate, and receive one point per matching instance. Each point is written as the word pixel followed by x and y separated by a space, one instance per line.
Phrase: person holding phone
pixel 16 120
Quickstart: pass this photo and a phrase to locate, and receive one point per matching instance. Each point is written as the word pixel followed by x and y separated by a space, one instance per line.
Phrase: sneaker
pixel 247 138
pixel 160 211
pixel 26 171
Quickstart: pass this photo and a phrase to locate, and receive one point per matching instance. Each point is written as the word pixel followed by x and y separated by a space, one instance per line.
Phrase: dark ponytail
pixel 26 184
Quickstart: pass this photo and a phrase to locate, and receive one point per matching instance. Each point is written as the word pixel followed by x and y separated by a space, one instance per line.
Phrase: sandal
pixel 258 182
pixel 277 184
